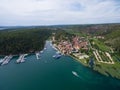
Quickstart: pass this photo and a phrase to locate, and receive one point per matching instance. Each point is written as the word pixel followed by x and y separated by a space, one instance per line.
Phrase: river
pixel 48 73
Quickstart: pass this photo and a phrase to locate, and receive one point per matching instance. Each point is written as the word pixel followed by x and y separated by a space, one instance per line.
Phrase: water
pixel 2 28
pixel 53 74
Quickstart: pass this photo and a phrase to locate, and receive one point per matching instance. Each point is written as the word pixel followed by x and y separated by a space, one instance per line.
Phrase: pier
pixel 37 55
pixel 6 60
pixel 21 58
pixel 2 60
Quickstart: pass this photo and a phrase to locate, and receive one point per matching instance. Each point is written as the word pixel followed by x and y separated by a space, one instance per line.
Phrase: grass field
pixel 100 45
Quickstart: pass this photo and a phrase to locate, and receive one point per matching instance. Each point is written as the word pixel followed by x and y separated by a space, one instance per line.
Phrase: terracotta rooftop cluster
pixel 77 43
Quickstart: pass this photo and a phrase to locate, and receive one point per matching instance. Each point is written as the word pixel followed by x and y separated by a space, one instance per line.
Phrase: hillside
pixel 111 32
pixel 22 41
pixel 113 39
pixel 94 29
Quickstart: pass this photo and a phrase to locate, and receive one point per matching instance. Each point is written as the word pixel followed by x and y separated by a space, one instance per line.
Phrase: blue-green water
pixel 52 74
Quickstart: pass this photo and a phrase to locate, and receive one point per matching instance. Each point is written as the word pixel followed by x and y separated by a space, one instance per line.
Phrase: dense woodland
pixel 113 40
pixel 23 40
pixel 63 35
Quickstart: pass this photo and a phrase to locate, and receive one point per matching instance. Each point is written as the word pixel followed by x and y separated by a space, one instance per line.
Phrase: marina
pixel 60 45
pixel 21 58
pixel 50 74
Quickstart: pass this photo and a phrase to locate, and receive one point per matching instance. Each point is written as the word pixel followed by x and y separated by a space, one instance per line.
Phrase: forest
pixel 19 41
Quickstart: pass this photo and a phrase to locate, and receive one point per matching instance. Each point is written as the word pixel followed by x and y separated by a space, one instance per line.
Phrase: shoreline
pixel 16 55
pixel 86 65
pixel 29 53
pixel 94 69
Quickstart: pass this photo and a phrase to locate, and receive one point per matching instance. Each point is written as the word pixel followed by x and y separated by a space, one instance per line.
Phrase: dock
pixel 37 55
pixel 21 58
pixel 2 60
pixel 6 60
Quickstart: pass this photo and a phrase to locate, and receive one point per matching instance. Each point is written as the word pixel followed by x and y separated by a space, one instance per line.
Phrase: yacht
pixel 57 55
pixel 75 73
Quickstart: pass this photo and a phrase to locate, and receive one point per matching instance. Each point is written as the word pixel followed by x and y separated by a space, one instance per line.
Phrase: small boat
pixel 41 51
pixel 75 73
pixel 57 56
pixel 45 48
pixel 37 55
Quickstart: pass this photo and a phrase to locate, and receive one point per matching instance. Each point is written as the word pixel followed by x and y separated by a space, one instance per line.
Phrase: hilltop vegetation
pixel 113 40
pixel 30 39
pixel 23 40
pixel 94 29
pixel 111 33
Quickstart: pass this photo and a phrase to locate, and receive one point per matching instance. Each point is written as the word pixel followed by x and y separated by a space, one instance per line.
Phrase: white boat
pixel 57 56
pixel 41 51
pixel 37 55
pixel 45 48
pixel 75 73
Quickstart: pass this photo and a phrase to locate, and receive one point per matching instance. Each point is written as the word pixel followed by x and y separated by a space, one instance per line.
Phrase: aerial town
pixel 74 47
pixel 89 51
pixel 79 48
